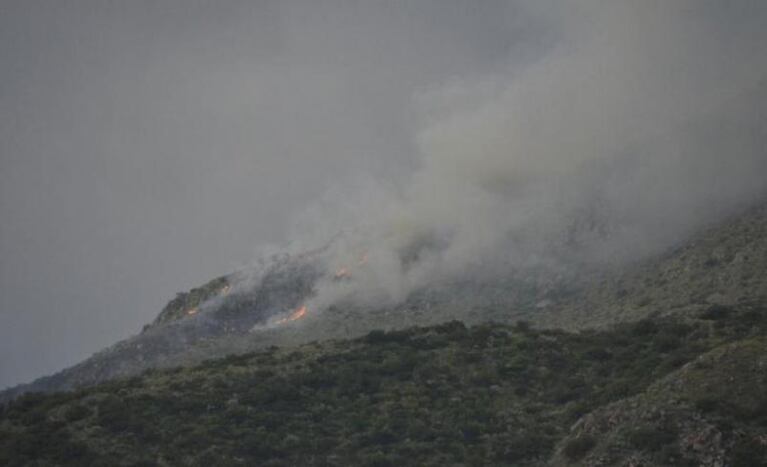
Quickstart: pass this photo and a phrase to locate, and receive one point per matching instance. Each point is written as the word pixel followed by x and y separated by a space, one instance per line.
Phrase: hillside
pixel 667 391
pixel 722 265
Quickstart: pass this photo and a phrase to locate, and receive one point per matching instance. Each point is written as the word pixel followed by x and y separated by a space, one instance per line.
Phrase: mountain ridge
pixel 723 264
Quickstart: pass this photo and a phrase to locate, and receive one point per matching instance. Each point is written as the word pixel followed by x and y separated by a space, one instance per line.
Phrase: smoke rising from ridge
pixel 146 147
pixel 645 122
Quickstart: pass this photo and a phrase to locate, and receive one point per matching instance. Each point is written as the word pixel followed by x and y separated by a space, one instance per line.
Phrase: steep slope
pixel 665 391
pixel 711 412
pixel 727 264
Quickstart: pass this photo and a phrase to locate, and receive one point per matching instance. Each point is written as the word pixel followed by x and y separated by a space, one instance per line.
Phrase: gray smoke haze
pixel 645 122
pixel 147 147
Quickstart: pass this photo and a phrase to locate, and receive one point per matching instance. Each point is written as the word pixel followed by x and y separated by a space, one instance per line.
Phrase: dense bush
pixel 652 438
pixel 577 448
pixel 485 395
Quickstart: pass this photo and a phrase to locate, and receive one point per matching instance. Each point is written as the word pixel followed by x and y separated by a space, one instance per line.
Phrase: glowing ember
pixel 345 273
pixel 192 311
pixel 298 314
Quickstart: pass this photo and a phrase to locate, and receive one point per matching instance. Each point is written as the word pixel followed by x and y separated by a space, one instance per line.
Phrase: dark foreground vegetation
pixel 655 391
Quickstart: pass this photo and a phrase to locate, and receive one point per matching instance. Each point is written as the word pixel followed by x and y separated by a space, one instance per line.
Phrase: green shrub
pixel 379 459
pixel 652 438
pixel 645 327
pixel 707 404
pixel 748 452
pixel 77 412
pixel 577 448
pixel 716 312
pixel 598 354
pixel 376 336
pixel 526 445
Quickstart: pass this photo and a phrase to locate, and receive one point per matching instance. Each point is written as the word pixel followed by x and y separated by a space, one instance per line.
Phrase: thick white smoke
pixel 645 121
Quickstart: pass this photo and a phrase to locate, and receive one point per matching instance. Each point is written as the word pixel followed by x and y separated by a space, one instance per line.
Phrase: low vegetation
pixel 180 306
pixel 443 395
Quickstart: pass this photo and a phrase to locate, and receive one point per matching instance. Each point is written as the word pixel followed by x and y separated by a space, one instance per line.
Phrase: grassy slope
pixel 444 395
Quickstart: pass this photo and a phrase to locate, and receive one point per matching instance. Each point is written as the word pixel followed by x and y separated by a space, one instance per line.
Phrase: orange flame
pixel 345 273
pixel 226 289
pixel 192 311
pixel 298 314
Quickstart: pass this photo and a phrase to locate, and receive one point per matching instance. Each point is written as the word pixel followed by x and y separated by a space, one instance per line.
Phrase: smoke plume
pixel 146 147
pixel 644 122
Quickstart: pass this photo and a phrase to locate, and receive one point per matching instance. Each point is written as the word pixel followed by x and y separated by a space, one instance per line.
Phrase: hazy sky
pixel 148 146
